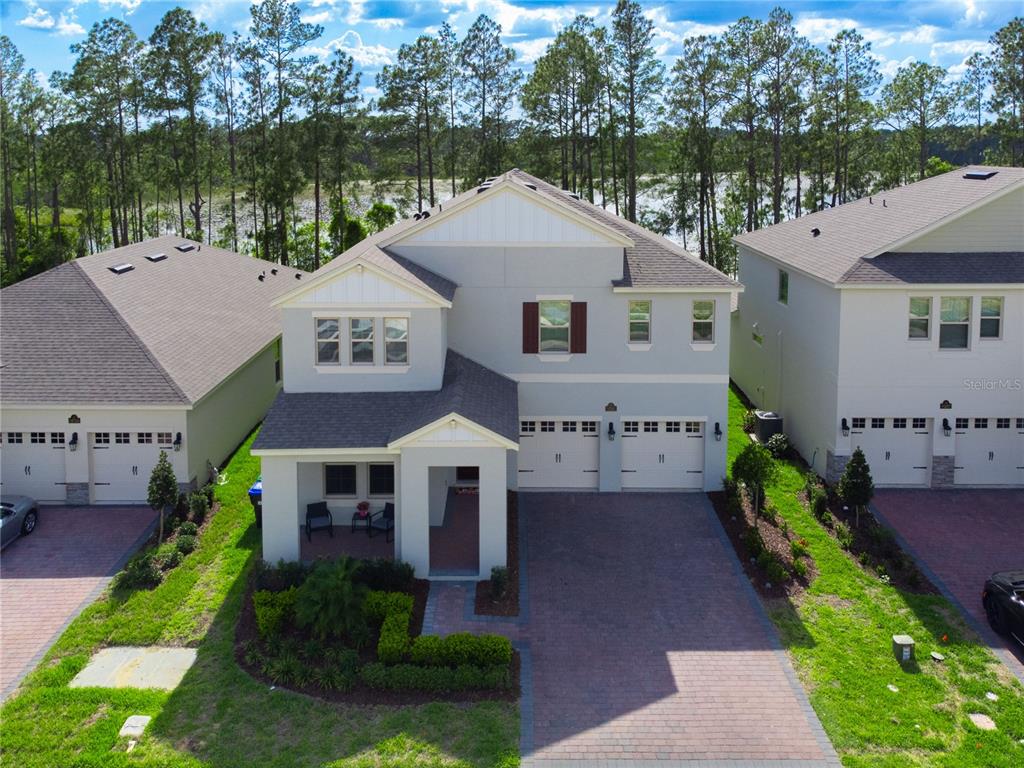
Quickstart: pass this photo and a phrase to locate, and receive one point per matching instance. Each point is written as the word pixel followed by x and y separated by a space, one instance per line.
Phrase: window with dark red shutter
pixel 578 328
pixel 531 326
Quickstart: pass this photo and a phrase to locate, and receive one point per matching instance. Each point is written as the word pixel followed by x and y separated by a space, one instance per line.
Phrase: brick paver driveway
pixel 48 577
pixel 645 641
pixel 962 537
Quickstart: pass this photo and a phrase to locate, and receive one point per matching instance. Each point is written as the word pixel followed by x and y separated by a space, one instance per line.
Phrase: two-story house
pixel 894 323
pixel 514 337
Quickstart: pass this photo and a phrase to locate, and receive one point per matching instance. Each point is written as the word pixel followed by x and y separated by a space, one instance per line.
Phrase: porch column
pixel 412 544
pixel 493 509
pixel 280 509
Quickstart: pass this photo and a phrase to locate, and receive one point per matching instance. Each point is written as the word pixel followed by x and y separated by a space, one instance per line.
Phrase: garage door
pixel 989 451
pixel 33 465
pixel 898 450
pixel 558 453
pixel 662 454
pixel 122 463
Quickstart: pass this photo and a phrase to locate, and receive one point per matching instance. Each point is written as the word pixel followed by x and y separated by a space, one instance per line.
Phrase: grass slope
pixel 839 635
pixel 219 716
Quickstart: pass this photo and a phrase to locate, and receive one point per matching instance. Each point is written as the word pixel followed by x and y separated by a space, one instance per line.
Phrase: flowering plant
pixel 363 508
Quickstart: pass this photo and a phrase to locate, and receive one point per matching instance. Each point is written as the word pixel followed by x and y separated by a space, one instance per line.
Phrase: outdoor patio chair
pixel 383 520
pixel 318 516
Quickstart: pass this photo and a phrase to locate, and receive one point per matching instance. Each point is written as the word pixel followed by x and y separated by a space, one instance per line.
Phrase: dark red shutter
pixel 531 327
pixel 578 327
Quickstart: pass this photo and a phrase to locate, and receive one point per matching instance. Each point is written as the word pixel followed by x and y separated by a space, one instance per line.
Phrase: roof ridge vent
pixel 980 175
pixel 155 257
pixel 185 247
pixel 120 269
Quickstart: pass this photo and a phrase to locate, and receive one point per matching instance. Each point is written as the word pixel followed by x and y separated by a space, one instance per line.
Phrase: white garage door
pixel 33 465
pixel 989 451
pixel 898 450
pixel 662 454
pixel 558 453
pixel 122 463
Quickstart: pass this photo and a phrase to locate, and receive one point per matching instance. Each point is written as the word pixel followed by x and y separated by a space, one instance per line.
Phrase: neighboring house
pixel 512 337
pixel 894 323
pixel 109 359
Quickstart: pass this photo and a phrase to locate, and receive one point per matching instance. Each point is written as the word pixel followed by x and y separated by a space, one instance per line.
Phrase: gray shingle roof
pixel 866 227
pixel 331 420
pixel 194 317
pixel 938 268
pixel 396 265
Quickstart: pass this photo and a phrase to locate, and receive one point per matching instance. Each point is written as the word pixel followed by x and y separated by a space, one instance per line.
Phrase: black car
pixel 1003 599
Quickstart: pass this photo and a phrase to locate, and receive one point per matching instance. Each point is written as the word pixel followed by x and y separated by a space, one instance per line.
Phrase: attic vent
pixel 120 269
pixel 155 257
pixel 574 196
pixel 815 232
pixel 273 270
pixel 490 179
pixel 261 276
pixel 530 185
pixel 417 216
pixel 980 175
pixel 482 188
pixel 425 215
pixel 298 275
pixel 185 247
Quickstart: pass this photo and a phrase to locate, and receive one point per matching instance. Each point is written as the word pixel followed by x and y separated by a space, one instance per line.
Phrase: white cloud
pixel 371 56
pixel 972 13
pixel 67 24
pixel 210 10
pixel 317 18
pixel 128 6
pixel 37 19
pixel 388 23
pixel 820 30
pixel 889 67
pixel 528 51
pixel 922 35
pixel 960 48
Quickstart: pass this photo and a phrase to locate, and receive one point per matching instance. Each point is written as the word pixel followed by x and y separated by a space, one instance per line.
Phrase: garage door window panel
pixel 164 439
pixel 955 322
pixel 145 438
pixel 704 322
pixel 920 317
pixel 37 438
pixel 340 480
pixel 14 438
pixel 56 438
pixel 102 438
pixel 991 317
pixel 328 341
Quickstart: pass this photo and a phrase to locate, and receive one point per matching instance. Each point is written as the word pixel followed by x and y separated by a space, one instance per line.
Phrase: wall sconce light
pixel 611 430
pixel 845 427
pixel 946 429
pixel 718 432
pixel 177 442
pixel 73 443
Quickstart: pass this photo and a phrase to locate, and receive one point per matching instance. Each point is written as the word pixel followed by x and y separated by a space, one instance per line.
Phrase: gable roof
pixel 338 420
pixel 189 321
pixel 906 268
pixel 650 260
pixel 870 226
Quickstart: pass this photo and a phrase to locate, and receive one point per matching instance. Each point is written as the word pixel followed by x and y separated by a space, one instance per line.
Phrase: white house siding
pixel 794 370
pixel 219 422
pixel 997 226
pixel 78 471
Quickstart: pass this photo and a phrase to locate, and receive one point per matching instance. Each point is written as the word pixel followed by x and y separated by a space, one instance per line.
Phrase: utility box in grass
pixel 903 648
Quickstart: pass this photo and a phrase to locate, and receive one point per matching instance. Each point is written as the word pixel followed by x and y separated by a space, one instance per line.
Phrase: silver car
pixel 18 515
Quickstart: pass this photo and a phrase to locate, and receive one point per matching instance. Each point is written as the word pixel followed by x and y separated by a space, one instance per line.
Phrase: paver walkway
pixel 963 537
pixel 641 640
pixel 48 577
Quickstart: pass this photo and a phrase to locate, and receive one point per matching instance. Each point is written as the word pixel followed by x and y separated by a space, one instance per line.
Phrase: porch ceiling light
pixel 845 426
pixel 946 429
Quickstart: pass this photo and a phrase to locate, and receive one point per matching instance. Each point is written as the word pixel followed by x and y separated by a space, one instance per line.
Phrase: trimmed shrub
pixel 461 648
pixel 777 445
pixel 770 513
pixel 843 535
pixel 817 500
pixel 749 422
pixel 776 571
pixel 171 560
pixel 798 548
pixel 188 528
pixel 393 644
pixel 753 542
pixel 208 491
pixel 410 677
pixel 499 581
pixel 379 605
pixel 385 575
pixel 186 544
pixel 277 578
pixel 198 507
pixel 800 568
pixel 330 602
pixel 141 572
pixel 273 610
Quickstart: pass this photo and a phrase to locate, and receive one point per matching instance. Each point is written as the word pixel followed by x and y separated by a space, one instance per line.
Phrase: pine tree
pixel 855 486
pixel 163 489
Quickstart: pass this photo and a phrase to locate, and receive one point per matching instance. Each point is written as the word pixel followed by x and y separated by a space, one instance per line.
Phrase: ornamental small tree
pixel 855 486
pixel 756 470
pixel 163 489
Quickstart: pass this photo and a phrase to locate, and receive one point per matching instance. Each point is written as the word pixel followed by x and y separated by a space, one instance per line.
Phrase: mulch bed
pixel 360 694
pixel 507 604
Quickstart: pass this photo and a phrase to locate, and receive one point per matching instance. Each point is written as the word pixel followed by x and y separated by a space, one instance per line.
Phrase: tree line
pixel 251 143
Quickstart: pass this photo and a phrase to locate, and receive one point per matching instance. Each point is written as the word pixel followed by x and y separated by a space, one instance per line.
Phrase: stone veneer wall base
pixel 942 471
pixel 77 494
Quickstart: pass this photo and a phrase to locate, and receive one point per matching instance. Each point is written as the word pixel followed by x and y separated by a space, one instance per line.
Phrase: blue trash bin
pixel 256 498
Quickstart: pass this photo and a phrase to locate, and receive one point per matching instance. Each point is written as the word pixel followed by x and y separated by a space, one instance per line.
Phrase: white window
pixel 14 437
pixel 783 287
pixel 693 427
pixel 650 426
pixel 877 423
pixel 704 322
pixel 981 423
pixel 588 426
pixel 899 423
pixel 920 317
pixel 1002 423
pixel 528 427
pixel 859 422
pixel 361 341
pixel 554 325
pixel 102 438
pixel 56 438
pixel 37 437
pixel 122 438
pixel 955 322
pixel 963 423
pixel 547 426
pixel 991 317
pixel 640 322
pixel 920 423
pixel 672 426
pixel 145 438
pixel 396 341
pixel 568 426
pixel 328 341
pixel 164 438
pixel 631 427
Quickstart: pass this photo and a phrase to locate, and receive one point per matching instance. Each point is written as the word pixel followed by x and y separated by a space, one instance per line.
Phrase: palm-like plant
pixel 330 603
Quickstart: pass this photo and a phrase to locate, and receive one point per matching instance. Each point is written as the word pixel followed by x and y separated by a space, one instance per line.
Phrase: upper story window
pixel 955 322
pixel 396 341
pixel 640 322
pixel 920 317
pixel 554 325
pixel 783 287
pixel 361 340
pixel 991 317
pixel 328 341
pixel 704 321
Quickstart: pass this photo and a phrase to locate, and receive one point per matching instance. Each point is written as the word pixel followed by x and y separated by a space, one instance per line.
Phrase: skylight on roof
pixel 155 257
pixel 120 269
pixel 185 247
pixel 980 175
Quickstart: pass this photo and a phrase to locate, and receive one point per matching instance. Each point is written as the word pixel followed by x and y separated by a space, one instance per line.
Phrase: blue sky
pixel 941 32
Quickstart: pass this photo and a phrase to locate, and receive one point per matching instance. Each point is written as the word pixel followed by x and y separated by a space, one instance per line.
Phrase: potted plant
pixel 363 508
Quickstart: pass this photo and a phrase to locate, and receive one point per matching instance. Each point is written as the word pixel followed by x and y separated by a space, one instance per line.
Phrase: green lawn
pixel 219 716
pixel 838 634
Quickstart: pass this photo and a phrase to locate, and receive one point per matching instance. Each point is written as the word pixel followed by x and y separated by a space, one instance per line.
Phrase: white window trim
pixel 317 341
pixel 694 344
pixel 554 357
pixel 930 318
pixel 352 342
pixel 345 365
pixel 970 326
pixel 407 342
pixel 639 346
pixel 559 355
pixel 1001 318
pixel 635 345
